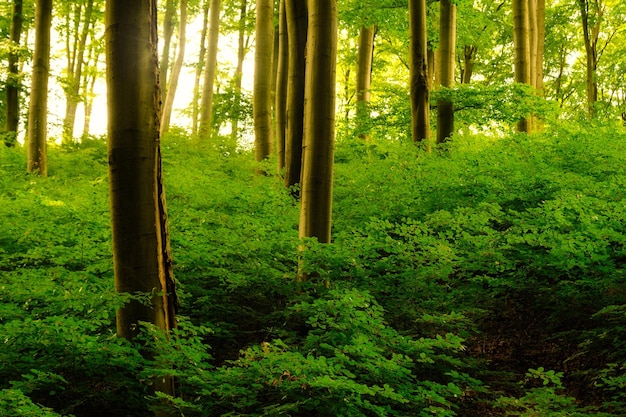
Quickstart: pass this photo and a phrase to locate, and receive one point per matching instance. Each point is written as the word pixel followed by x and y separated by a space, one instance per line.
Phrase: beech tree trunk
pixel 75 64
pixel 297 26
pixel 168 32
pixel 365 56
pixel 591 32
pixel 521 40
pixel 13 80
pixel 195 108
pixel 319 121
pixel 210 69
pixel 420 75
pixel 38 109
pixel 447 41
pixel 141 252
pixel 281 86
pixel 176 68
pixel 238 76
pixel 263 71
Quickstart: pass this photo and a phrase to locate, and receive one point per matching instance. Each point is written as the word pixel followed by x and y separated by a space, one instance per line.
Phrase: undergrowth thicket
pixel 486 278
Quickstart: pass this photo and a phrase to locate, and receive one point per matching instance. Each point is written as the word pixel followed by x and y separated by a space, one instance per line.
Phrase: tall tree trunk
pixel 521 39
pixel 447 41
pixel 281 86
pixel 262 103
pixel 178 65
pixel 419 72
pixel 76 57
pixel 591 31
pixel 168 32
pixel 38 109
pixel 195 108
pixel 13 80
pixel 141 252
pixel 297 26
pixel 364 78
pixel 319 121
pixel 210 70
pixel 541 38
pixel 238 76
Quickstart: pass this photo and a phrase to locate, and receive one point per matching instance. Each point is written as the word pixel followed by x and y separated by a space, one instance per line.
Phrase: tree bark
pixel 38 109
pixel 13 80
pixel 168 32
pixel 195 108
pixel 238 76
pixel 469 52
pixel 262 104
pixel 319 121
pixel 447 41
pixel 297 26
pixel 591 33
pixel 141 252
pixel 75 60
pixel 281 86
pixel 176 68
pixel 210 70
pixel 365 56
pixel 521 40
pixel 419 72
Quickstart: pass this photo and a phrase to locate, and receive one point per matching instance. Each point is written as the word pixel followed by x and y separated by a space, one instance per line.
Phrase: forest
pixel 313 208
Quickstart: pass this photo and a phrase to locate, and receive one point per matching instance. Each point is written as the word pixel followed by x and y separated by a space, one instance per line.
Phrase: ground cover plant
pixel 485 278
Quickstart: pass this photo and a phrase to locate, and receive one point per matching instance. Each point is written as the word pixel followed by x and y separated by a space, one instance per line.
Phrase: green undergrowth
pixel 485 278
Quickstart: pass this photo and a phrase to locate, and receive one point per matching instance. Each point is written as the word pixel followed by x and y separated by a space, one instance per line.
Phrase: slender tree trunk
pixel 76 58
pixel 210 69
pixel 469 53
pixel 281 86
pixel 521 39
pixel 90 83
pixel 447 41
pixel 38 109
pixel 262 79
pixel 419 72
pixel 297 24
pixel 238 76
pixel 195 108
pixel 141 252
pixel 178 65
pixel 541 38
pixel 364 78
pixel 590 37
pixel 319 121
pixel 168 32
pixel 13 80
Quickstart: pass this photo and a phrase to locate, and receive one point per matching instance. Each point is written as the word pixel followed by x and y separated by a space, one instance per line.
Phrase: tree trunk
pixel 210 70
pixel 281 86
pixel 319 121
pixel 541 38
pixel 13 80
pixel 75 58
pixel 38 109
pixel 178 65
pixel 469 53
pixel 297 26
pixel 168 31
pixel 141 253
pixel 521 39
pixel 447 40
pixel 364 78
pixel 238 76
pixel 419 72
pixel 590 37
pixel 195 108
pixel 262 104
